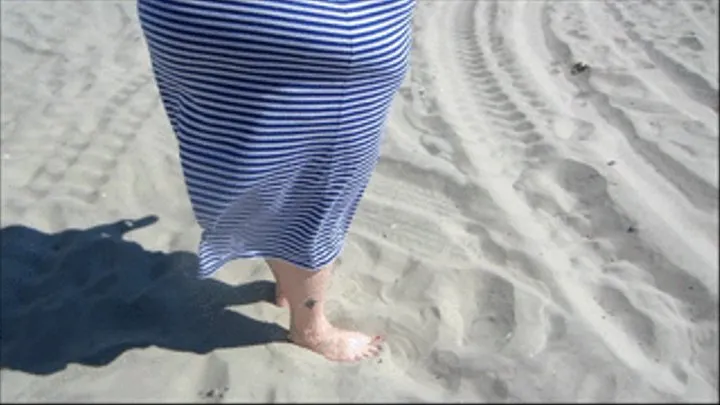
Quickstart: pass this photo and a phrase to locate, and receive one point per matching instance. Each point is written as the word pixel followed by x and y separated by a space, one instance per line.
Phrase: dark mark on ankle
pixel 310 303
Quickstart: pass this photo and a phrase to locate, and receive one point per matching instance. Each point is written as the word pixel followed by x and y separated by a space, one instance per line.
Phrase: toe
pixel 372 351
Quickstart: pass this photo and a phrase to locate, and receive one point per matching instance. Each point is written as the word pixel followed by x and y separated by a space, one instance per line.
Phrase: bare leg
pixel 305 293
pixel 280 298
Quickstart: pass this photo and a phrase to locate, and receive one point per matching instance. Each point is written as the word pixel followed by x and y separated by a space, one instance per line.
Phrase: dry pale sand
pixel 529 234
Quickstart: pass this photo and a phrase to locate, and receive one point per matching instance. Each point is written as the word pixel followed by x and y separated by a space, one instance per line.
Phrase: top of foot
pixel 341 345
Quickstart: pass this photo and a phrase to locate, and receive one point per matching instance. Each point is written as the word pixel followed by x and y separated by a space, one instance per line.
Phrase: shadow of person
pixel 86 296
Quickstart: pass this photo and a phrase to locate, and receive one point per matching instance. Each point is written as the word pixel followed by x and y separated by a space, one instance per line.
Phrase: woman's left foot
pixel 280 299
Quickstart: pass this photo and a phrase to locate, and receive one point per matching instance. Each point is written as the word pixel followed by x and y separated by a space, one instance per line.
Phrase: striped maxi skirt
pixel 278 107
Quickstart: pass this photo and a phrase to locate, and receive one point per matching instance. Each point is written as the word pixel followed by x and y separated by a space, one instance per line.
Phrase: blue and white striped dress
pixel 278 107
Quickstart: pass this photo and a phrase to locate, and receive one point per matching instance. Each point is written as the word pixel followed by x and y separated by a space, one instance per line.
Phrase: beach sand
pixel 531 233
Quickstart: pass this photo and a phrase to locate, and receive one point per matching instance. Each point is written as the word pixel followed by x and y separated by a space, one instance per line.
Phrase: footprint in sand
pixel 571 128
pixel 495 321
pixel 639 325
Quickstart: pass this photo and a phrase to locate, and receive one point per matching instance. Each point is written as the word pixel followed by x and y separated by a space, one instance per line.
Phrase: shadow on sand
pixel 86 296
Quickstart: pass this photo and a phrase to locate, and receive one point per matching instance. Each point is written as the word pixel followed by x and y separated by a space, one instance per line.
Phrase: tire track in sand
pixel 697 191
pixel 693 84
pixel 47 57
pixel 478 64
pixel 539 242
pixel 85 160
pixel 689 289
pixel 613 84
pixel 513 122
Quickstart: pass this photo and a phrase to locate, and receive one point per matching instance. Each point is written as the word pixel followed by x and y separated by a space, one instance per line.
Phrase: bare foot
pixel 340 345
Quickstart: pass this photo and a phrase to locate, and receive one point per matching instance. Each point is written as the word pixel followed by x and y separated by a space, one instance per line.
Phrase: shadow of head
pixel 86 296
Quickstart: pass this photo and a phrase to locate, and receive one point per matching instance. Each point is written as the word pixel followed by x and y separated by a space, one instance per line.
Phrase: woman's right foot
pixel 304 291
pixel 339 345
